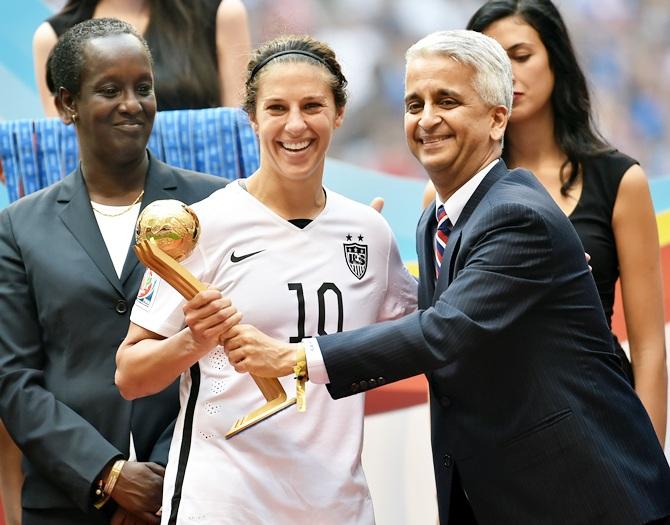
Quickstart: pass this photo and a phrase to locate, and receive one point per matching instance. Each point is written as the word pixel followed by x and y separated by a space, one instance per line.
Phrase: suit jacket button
pixel 447 461
pixel 445 402
pixel 372 383
pixel 381 381
pixel 354 387
pixel 121 307
pixel 364 385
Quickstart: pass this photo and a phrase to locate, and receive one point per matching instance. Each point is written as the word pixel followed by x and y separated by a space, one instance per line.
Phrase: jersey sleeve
pixel 401 286
pixel 158 306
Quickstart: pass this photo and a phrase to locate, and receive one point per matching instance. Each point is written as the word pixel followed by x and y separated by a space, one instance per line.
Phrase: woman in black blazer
pixel 67 276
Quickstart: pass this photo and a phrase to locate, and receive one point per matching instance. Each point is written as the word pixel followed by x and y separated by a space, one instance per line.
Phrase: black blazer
pixel 528 401
pixel 64 312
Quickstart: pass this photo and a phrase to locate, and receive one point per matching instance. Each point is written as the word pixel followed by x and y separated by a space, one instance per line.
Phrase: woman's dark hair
pixel 574 128
pixel 66 60
pixel 294 48
pixel 182 37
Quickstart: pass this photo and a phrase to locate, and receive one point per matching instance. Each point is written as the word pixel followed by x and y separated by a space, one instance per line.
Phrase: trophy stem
pixel 188 286
pixel 263 412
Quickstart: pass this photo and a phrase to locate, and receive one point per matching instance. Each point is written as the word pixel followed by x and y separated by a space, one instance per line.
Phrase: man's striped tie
pixel 441 237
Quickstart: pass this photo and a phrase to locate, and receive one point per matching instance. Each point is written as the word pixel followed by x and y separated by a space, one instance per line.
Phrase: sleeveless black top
pixel 592 218
pixel 171 93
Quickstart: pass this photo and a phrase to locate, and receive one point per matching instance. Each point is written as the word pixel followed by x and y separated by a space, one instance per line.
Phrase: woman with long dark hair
pixel 200 47
pixel 603 191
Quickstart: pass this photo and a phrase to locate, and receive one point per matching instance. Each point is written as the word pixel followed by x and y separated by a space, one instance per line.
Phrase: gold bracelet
pixel 114 476
pixel 105 487
pixel 300 371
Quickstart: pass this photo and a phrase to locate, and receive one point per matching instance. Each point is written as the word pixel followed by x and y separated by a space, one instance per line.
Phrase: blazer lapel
pixel 77 215
pixel 453 245
pixel 497 172
pixel 160 184
pixel 424 244
pixel 448 261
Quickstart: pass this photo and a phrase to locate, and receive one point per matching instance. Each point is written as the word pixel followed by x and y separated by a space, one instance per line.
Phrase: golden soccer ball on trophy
pixel 172 224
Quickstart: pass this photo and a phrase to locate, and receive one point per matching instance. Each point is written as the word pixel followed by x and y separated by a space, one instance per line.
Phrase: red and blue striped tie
pixel 441 237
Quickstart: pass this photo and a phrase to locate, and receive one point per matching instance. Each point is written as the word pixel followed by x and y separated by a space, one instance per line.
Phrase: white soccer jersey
pixel 340 272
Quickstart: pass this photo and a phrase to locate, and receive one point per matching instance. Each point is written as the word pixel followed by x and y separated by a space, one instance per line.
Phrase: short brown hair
pixel 279 50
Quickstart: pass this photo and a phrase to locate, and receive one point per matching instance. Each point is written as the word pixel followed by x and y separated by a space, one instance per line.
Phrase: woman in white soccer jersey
pixel 296 260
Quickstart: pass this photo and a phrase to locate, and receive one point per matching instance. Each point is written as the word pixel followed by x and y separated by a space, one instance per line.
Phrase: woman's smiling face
pixel 115 105
pixel 294 118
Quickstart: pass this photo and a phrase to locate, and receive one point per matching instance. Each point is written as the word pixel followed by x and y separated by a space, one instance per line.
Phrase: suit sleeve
pixel 504 268
pixel 56 440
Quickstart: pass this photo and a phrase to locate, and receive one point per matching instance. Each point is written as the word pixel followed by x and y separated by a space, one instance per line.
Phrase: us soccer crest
pixel 356 256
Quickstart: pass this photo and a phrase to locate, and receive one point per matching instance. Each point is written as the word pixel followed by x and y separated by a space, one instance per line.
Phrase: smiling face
pixel 533 76
pixel 449 128
pixel 115 106
pixel 294 119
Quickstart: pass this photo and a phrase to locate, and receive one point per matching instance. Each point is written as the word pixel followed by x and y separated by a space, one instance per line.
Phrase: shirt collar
pixel 455 204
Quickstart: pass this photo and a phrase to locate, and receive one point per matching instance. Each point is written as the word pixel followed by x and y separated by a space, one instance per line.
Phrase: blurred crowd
pixel 623 45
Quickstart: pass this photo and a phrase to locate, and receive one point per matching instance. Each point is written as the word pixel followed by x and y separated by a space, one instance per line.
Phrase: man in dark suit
pixel 64 313
pixel 532 418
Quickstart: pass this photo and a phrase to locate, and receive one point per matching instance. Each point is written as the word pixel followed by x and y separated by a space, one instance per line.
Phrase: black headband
pixel 289 52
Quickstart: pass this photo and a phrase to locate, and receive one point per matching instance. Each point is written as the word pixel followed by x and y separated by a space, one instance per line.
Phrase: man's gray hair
pixel 493 69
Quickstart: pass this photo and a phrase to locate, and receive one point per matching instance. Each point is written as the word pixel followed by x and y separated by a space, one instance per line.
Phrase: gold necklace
pixel 127 209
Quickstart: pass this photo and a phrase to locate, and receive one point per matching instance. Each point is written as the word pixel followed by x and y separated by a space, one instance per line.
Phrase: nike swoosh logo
pixel 237 258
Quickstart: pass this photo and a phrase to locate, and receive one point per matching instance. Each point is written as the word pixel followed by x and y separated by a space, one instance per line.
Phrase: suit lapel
pixel 425 232
pixel 448 261
pixel 497 172
pixel 454 243
pixel 160 184
pixel 77 215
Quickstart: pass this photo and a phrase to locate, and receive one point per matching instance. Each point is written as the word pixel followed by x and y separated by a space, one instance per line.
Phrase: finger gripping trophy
pixel 167 231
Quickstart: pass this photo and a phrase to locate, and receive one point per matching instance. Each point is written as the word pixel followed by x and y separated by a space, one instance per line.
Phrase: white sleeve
pixel 158 306
pixel 401 286
pixel 316 368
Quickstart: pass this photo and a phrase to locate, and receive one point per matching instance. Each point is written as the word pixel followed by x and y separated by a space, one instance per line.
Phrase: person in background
pixel 67 276
pixel 298 260
pixel 603 192
pixel 532 419
pixel 200 48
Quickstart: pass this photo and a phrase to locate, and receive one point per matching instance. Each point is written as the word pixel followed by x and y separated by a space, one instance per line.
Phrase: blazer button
pixel 121 307
pixel 372 383
pixel 445 402
pixel 364 385
pixel 447 461
pixel 381 381
pixel 354 387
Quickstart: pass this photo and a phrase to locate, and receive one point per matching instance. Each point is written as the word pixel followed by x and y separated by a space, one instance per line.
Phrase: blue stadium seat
pixel 220 141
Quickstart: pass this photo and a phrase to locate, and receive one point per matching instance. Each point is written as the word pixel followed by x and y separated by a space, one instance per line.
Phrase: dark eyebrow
pixel 440 93
pixel 313 98
pixel 308 98
pixel 448 93
pixel 410 96
pixel 513 48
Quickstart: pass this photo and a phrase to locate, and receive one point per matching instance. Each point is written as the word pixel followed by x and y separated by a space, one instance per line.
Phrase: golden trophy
pixel 166 233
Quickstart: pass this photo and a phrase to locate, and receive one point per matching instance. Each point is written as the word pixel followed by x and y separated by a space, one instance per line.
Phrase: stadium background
pixel 624 46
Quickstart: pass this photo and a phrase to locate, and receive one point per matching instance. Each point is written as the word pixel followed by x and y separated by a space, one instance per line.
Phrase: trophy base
pixel 268 409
